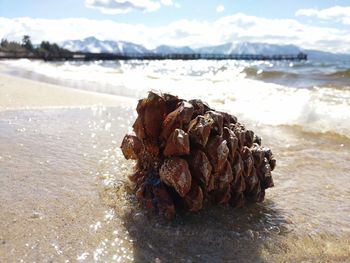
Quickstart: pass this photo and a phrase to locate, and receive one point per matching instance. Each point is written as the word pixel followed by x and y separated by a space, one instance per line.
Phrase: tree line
pixel 44 50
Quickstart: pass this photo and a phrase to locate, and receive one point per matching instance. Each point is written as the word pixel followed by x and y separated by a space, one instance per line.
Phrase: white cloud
pixel 125 6
pixel 336 13
pixel 170 3
pixel 233 28
pixel 220 8
pixel 306 12
pixel 167 2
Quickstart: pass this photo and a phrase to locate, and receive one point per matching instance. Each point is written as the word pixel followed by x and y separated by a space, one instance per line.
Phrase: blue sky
pixel 322 24
pixel 201 10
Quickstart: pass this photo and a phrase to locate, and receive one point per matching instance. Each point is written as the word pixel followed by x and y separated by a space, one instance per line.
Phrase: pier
pixel 85 56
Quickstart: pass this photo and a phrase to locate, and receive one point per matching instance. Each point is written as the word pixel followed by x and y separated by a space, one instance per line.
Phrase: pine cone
pixel 188 153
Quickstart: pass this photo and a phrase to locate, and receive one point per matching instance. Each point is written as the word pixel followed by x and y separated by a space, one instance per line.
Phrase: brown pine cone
pixel 188 152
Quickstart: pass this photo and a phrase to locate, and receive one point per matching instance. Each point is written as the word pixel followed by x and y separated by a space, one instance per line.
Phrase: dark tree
pixel 4 43
pixel 45 45
pixel 27 43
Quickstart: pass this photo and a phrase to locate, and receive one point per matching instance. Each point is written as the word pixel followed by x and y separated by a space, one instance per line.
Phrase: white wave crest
pixel 220 83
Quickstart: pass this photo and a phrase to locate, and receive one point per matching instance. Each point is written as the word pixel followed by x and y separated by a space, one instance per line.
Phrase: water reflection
pixel 216 234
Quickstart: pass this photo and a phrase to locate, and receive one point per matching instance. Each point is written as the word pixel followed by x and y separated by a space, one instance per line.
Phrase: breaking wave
pixel 341 74
pixel 236 87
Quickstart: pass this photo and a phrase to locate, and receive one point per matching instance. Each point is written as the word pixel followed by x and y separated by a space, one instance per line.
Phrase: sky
pixel 311 24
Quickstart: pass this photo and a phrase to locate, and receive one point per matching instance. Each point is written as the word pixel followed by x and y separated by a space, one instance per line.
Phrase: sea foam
pixel 222 84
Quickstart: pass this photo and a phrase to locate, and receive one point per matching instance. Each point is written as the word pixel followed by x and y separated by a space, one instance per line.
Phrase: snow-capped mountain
pixel 164 49
pixel 251 48
pixel 94 45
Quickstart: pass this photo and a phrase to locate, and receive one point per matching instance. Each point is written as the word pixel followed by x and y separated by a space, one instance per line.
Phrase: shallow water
pixel 65 197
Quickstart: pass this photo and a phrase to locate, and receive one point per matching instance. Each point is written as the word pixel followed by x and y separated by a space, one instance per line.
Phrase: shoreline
pixel 19 93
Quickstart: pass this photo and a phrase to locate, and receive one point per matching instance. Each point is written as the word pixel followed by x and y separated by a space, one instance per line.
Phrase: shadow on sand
pixel 216 234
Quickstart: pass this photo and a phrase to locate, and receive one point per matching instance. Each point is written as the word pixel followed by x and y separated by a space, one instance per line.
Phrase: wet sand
pixel 20 93
pixel 50 197
pixel 65 197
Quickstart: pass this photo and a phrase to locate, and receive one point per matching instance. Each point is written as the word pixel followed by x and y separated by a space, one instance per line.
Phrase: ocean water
pixel 71 158
pixel 315 96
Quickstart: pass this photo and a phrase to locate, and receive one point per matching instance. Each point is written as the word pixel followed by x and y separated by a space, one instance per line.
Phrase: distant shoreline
pixel 86 56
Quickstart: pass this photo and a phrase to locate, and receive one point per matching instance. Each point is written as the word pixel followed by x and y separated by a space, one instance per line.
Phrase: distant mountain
pixel 251 48
pixel 164 49
pixel 92 44
pixel 326 56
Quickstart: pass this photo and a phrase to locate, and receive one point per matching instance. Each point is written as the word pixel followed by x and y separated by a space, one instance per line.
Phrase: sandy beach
pixel 19 93
pixel 65 196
